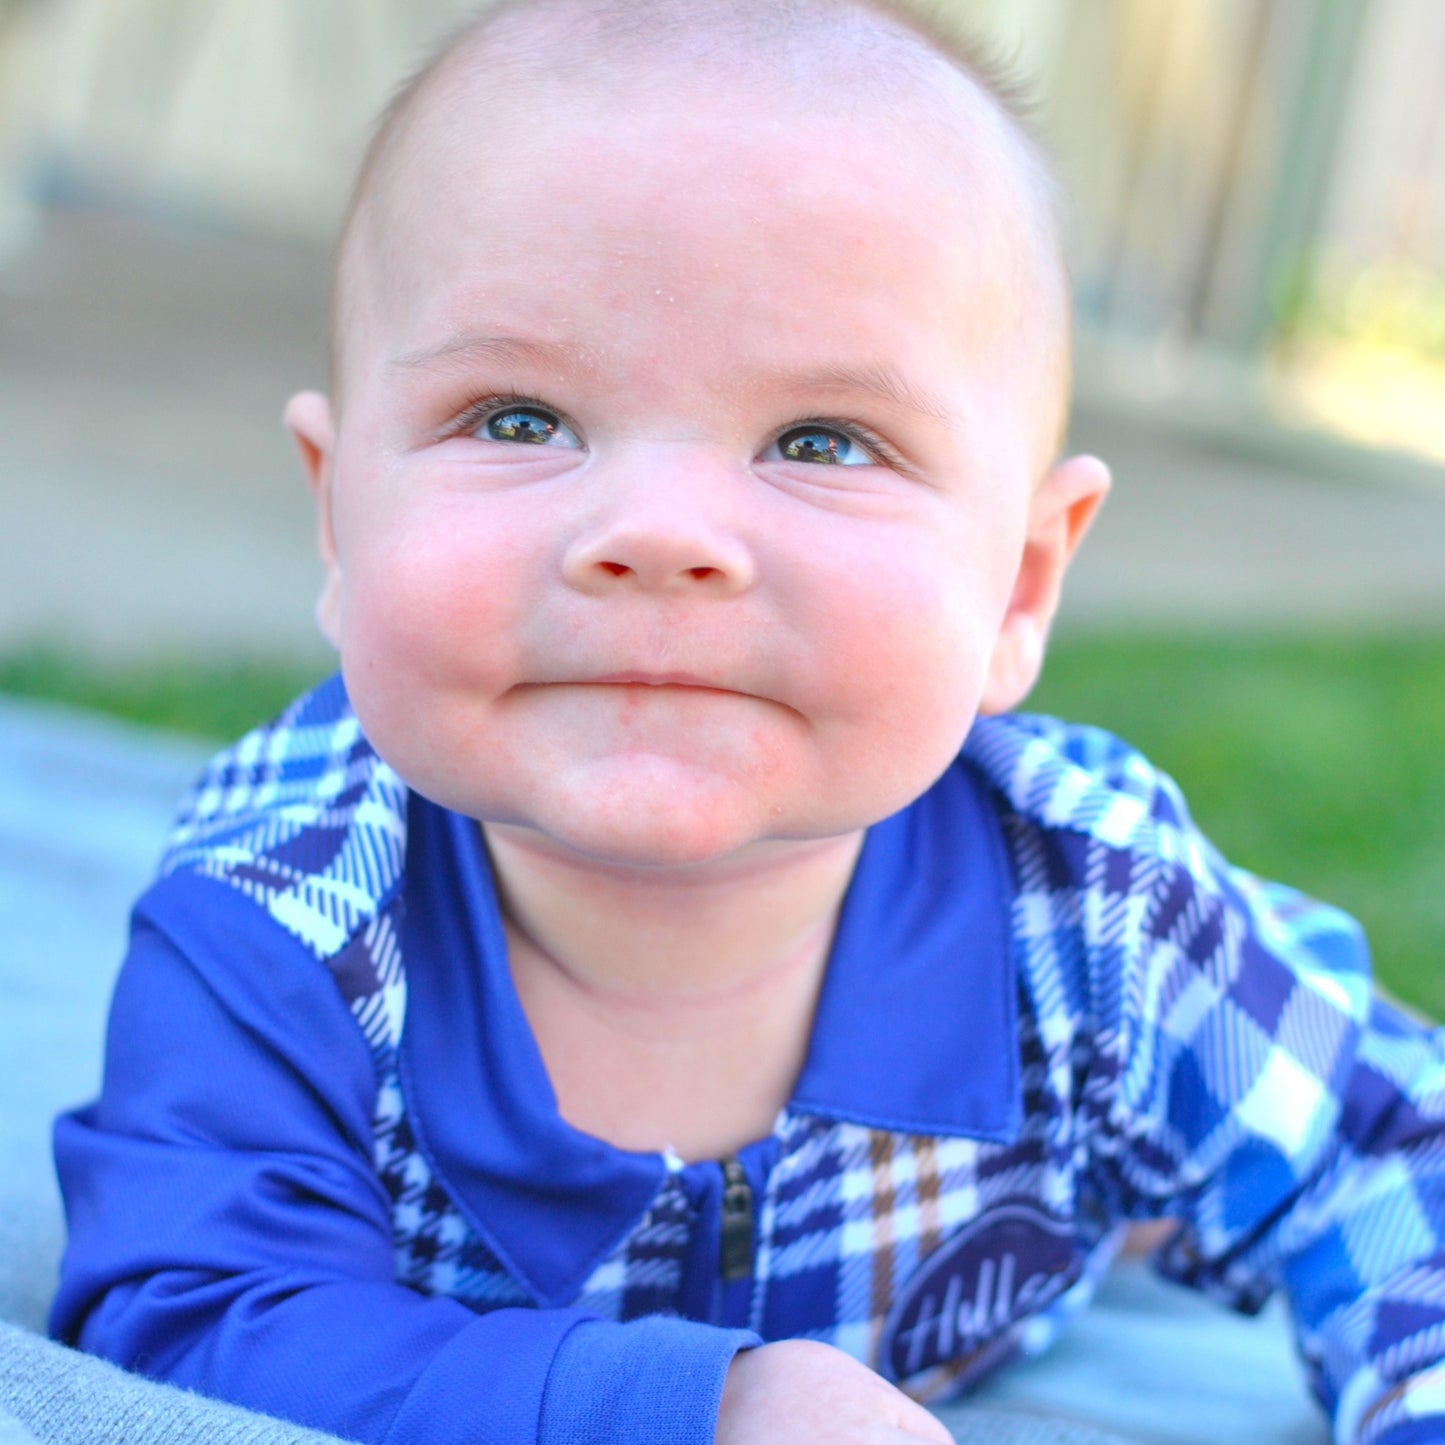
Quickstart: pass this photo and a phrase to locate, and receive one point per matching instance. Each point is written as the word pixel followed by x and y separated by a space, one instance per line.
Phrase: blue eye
pixel 529 425
pixel 822 444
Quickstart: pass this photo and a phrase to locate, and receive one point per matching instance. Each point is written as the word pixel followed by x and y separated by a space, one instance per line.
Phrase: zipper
pixel 735 1249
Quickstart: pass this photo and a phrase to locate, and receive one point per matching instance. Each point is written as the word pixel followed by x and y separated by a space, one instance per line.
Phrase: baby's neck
pixel 672 1007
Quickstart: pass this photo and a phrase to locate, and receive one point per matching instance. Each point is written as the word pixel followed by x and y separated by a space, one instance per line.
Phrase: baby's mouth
pixel 656 679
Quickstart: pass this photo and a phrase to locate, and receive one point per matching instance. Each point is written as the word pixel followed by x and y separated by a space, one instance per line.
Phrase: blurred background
pixel 1257 230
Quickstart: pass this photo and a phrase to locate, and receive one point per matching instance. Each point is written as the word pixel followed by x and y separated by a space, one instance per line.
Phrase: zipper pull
pixel 735 1250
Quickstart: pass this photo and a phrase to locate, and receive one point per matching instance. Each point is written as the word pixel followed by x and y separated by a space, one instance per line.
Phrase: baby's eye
pixel 824 444
pixel 531 425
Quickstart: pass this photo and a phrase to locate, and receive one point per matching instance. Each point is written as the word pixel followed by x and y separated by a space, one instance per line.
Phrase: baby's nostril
pixel 615 569
pixel 701 573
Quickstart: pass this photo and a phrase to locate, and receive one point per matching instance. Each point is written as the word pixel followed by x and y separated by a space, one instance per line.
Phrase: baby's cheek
pixel 436 603
pixel 915 639
pixel 425 647
pixel 913 659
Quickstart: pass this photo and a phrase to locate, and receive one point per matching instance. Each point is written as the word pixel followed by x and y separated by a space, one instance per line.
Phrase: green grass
pixel 1320 762
pixel 211 700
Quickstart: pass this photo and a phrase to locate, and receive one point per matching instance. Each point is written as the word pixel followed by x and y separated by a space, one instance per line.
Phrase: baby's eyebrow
pixel 875 378
pixel 474 347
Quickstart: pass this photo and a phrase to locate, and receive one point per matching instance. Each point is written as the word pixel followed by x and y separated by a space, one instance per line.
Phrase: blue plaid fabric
pixel 1194 1043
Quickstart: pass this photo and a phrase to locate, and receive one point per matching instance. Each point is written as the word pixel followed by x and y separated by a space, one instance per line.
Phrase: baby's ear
pixel 308 419
pixel 1060 511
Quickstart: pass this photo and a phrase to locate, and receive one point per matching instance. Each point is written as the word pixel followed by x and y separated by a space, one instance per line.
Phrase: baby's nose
pixel 670 536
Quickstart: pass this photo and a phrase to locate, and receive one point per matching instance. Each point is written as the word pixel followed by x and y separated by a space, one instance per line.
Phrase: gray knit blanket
pixel 51 1395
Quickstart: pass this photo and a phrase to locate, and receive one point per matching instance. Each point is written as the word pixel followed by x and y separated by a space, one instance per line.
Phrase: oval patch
pixel 1010 1263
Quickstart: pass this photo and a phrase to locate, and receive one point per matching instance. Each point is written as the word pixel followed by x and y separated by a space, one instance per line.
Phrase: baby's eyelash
pixel 855 431
pixel 476 412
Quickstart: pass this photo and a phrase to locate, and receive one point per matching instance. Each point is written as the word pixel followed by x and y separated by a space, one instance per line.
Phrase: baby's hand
pixel 798 1392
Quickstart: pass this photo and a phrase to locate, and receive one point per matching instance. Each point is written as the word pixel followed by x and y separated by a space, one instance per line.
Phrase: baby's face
pixel 685 480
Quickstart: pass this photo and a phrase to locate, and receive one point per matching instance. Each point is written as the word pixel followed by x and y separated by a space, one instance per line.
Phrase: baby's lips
pixel 660 679
pixel 743 678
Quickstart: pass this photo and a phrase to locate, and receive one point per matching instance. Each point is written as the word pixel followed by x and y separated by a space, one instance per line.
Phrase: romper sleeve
pixel 1249 1082
pixel 229 1233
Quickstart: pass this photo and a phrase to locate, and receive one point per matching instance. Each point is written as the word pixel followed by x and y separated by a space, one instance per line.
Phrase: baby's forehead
pixel 789 61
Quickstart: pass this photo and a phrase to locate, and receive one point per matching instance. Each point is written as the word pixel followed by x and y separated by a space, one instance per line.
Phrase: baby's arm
pixel 1256 1090
pixel 229 1232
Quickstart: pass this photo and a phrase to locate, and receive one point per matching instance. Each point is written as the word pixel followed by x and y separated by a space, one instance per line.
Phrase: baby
pixel 663 994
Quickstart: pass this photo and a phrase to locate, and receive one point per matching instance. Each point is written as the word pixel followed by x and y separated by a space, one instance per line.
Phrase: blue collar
pixel 916 1029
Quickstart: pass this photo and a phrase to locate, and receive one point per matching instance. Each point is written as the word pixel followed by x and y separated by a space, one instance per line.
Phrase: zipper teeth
pixel 735 1246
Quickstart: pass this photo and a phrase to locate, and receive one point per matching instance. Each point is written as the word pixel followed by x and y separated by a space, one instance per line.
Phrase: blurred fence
pixel 1251 179
pixel 1215 144
pixel 1260 180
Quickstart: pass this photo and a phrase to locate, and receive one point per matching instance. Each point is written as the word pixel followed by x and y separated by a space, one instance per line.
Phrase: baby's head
pixel 689 475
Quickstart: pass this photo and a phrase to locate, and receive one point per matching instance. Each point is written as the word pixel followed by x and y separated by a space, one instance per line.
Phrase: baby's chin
pixel 653 813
